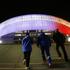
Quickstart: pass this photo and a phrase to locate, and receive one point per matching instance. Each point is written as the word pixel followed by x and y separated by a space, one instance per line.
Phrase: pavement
pixel 36 60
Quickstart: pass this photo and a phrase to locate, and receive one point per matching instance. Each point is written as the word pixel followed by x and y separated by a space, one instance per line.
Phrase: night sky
pixel 12 8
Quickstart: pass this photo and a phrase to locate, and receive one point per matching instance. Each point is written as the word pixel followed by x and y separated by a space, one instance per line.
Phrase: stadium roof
pixel 34 22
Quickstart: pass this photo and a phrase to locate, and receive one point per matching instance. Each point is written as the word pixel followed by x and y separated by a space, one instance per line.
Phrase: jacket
pixel 26 44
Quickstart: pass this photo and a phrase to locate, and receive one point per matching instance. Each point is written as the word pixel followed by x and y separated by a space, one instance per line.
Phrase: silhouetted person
pixel 27 49
pixel 45 43
pixel 59 39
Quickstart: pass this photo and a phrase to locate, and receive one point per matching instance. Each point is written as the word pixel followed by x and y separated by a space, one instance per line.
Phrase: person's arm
pixel 64 38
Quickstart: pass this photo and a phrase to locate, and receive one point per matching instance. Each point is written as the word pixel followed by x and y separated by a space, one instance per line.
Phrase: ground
pixel 11 58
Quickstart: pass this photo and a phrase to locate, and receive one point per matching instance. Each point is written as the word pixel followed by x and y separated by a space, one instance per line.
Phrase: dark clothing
pixel 27 48
pixel 64 51
pixel 27 57
pixel 45 42
pixel 43 51
pixel 59 39
pixel 26 44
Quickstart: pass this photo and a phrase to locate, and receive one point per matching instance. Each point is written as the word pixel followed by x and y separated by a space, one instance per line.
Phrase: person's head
pixel 42 31
pixel 57 30
pixel 27 33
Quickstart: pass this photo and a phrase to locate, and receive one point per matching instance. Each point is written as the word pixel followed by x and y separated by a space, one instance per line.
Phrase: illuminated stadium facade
pixel 34 22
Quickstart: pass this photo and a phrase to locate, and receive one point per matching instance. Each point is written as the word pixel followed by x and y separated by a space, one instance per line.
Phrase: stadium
pixel 14 29
pixel 34 23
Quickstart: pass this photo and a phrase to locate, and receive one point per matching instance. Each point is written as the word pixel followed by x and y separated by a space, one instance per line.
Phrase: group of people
pixel 44 42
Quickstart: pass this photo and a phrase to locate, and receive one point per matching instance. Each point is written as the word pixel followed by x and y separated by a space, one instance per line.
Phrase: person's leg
pixel 28 58
pixel 58 51
pixel 48 56
pixel 25 55
pixel 43 54
pixel 64 52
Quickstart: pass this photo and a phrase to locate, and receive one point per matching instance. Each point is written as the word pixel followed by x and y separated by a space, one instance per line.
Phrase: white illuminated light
pixel 17 34
pixel 30 22
pixel 68 39
pixel 47 33
pixel 1 41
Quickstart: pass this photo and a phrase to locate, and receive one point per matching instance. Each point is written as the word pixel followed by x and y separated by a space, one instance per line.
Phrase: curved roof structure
pixel 34 22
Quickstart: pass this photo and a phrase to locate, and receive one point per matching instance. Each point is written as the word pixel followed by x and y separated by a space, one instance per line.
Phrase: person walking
pixel 59 39
pixel 27 49
pixel 44 42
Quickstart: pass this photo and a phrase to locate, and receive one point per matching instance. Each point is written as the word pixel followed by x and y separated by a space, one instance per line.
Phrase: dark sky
pixel 12 8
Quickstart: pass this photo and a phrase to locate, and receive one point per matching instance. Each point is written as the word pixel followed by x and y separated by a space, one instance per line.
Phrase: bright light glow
pixel 1 41
pixel 67 35
pixel 68 39
pixel 31 22
pixel 17 34
pixel 47 33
